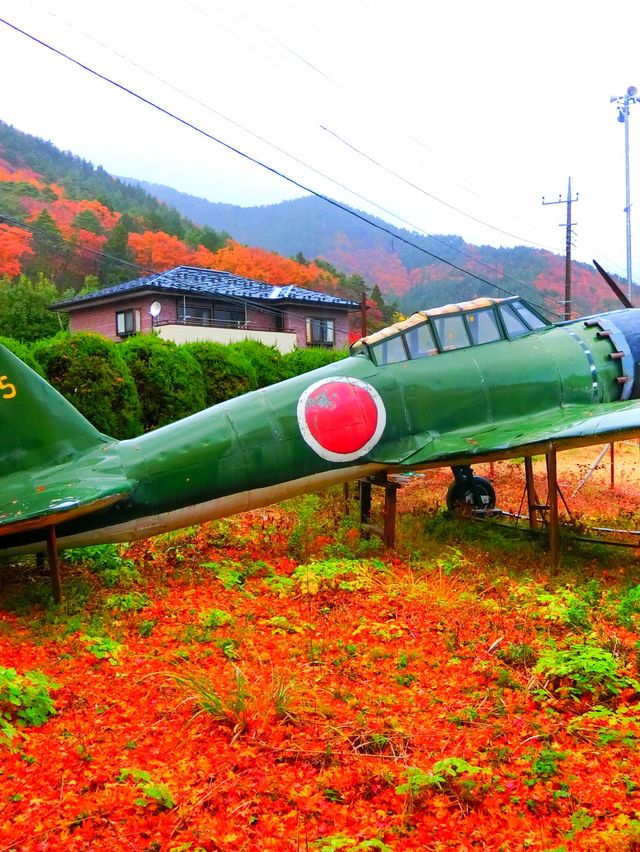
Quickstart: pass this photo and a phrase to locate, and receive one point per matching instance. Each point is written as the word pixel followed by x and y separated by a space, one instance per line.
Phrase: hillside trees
pixel 263 265
pixel 15 246
pixel 115 265
pixel 205 237
pixel 24 308
pixel 50 253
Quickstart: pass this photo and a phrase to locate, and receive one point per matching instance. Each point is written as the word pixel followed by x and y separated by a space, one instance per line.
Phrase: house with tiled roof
pixel 188 303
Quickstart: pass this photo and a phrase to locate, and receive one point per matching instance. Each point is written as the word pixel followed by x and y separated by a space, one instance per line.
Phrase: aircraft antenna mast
pixel 567 268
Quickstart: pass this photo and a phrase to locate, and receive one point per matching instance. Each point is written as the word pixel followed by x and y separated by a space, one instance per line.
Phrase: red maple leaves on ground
pixel 272 681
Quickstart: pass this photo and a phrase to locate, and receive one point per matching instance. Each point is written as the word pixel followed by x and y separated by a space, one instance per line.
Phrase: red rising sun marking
pixel 342 417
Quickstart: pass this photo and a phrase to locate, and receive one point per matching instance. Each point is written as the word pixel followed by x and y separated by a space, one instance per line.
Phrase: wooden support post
pixel 390 506
pixel 365 507
pixel 54 564
pixel 613 465
pixel 554 523
pixel 532 499
pixel 346 496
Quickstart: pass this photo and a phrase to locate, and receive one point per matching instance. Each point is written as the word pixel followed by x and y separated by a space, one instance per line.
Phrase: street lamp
pixel 623 101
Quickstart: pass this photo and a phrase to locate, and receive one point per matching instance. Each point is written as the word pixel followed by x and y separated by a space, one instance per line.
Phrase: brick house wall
pixel 101 318
pixel 297 316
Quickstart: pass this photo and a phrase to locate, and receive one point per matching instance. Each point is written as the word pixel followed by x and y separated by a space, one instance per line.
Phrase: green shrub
pixel 89 371
pixel 106 562
pixel 168 378
pixel 266 360
pixel 226 371
pixel 24 700
pixel 583 669
pixel 343 574
pixel 23 352
pixel 453 774
pixel 152 792
pixel 304 360
pixel 629 606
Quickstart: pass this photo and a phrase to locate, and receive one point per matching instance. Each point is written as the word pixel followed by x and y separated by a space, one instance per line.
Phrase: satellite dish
pixel 632 92
pixel 154 309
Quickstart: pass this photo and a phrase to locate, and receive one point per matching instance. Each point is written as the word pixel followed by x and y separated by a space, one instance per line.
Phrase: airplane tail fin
pixel 38 427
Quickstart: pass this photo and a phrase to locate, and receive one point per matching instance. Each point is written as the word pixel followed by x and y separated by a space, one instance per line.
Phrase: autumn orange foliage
pixel 264 265
pixel 158 251
pixel 15 244
pixel 272 681
pixel 10 173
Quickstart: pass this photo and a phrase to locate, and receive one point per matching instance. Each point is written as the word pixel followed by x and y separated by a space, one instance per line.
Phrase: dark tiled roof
pixel 210 282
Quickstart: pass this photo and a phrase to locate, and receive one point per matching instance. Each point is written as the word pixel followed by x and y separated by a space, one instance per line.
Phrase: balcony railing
pixel 241 325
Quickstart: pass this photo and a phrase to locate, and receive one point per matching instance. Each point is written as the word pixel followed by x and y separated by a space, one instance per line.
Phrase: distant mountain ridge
pixel 68 220
pixel 416 273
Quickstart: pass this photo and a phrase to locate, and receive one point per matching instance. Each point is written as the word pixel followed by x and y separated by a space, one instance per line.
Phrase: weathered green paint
pixel 556 386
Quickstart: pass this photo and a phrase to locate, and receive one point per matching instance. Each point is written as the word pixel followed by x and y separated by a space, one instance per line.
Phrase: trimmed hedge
pixel 226 372
pixel 266 360
pixel 303 360
pixel 90 372
pixel 168 378
pixel 145 382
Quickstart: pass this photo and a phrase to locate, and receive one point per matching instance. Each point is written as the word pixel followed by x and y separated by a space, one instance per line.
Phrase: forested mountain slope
pixel 414 270
pixel 66 219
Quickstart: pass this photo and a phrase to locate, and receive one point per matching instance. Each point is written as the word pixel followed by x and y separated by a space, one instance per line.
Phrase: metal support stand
pixel 54 564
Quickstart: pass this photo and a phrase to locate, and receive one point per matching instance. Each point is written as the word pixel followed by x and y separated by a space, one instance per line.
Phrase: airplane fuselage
pixel 359 416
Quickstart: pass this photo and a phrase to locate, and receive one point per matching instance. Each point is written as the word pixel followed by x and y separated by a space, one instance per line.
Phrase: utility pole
pixel 363 314
pixel 567 266
pixel 623 102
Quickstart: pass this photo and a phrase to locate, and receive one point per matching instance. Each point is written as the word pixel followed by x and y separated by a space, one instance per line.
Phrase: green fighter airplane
pixel 476 381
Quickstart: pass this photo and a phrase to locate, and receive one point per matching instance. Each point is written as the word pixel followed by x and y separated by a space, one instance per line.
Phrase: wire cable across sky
pixel 277 172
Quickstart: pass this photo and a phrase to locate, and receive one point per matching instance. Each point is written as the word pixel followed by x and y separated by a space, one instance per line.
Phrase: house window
pixel 127 322
pixel 218 314
pixel 229 317
pixel 195 314
pixel 320 332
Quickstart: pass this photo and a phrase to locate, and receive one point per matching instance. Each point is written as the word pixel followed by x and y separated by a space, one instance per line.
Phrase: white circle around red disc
pixel 341 418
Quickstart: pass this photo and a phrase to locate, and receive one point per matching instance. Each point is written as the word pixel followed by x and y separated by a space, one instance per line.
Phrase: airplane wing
pixel 576 425
pixel 37 499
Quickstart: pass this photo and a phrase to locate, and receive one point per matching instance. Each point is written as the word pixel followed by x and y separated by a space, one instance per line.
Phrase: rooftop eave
pixel 88 301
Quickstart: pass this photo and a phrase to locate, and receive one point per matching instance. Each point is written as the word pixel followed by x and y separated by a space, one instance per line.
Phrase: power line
pixel 248 157
pixel 295 159
pixel 423 191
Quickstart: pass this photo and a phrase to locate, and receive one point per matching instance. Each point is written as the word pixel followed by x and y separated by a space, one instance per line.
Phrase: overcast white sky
pixel 456 117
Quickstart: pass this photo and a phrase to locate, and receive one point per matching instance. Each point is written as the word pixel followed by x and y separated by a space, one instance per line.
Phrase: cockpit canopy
pixel 451 327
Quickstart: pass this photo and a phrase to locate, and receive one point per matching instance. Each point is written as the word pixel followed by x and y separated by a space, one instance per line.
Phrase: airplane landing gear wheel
pixel 468 493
